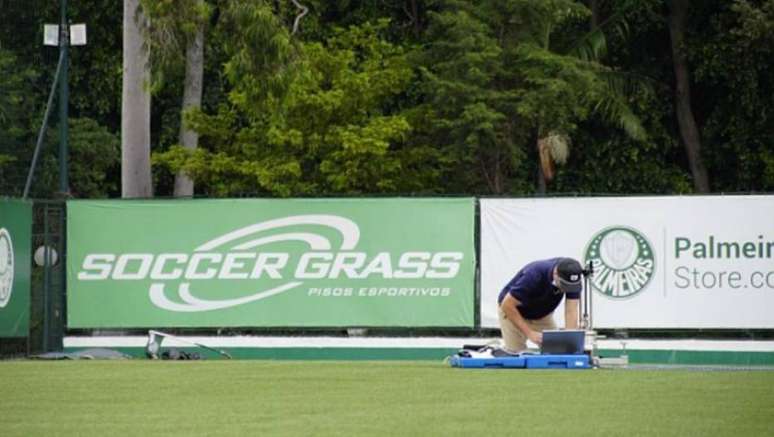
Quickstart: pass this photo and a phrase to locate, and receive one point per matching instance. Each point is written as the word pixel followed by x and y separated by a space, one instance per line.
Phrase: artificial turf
pixel 111 398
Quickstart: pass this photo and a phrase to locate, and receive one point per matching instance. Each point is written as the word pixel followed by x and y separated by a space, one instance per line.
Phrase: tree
pixel 176 35
pixel 506 81
pixel 448 97
pixel 94 155
pixel 303 118
pixel 135 107
pixel 17 116
pixel 27 72
pixel 689 132
pixel 467 109
pixel 731 50
pixel 609 89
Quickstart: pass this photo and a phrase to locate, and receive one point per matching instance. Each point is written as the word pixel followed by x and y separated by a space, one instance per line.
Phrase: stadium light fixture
pixel 78 34
pixel 51 35
pixel 62 35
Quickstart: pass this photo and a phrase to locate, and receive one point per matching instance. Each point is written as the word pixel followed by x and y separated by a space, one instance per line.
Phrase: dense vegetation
pixel 426 97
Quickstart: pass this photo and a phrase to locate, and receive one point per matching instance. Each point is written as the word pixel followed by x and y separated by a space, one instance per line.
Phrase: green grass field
pixel 113 398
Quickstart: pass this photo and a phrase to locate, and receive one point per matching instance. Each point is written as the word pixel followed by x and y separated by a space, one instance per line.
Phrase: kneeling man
pixel 527 303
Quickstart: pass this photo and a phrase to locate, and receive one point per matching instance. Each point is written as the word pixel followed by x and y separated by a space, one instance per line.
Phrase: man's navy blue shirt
pixel 534 287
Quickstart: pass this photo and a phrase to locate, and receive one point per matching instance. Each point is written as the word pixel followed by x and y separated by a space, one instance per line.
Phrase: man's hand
pixel 536 337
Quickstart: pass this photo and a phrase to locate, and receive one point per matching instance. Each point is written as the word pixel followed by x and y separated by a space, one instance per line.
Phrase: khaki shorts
pixel 514 340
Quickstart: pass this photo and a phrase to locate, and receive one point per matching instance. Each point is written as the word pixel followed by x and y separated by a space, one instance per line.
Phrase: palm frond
pixel 615 109
pixel 613 102
pixel 592 46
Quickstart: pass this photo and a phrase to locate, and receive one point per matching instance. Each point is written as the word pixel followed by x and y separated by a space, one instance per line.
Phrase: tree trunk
pixel 135 107
pixel 498 174
pixel 542 185
pixel 415 18
pixel 192 99
pixel 685 119
pixel 594 6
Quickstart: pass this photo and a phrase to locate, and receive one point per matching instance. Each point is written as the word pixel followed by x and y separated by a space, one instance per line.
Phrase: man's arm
pixel 512 313
pixel 571 313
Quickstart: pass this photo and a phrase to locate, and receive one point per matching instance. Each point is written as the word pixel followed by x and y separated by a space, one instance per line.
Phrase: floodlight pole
pixel 64 96
pixel 42 131
pixel 62 37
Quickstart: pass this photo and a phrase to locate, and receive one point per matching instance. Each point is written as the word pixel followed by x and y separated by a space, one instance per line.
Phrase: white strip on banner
pixel 660 262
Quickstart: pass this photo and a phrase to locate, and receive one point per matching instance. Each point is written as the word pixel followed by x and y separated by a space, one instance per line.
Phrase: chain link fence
pixel 47 284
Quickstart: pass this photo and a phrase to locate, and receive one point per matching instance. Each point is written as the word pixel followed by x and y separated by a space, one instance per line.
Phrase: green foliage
pixel 496 83
pixel 322 126
pixel 557 90
pixel 433 96
pixel 5 160
pixel 171 25
pixel 95 69
pixel 593 45
pixel 261 55
pixel 94 154
pixel 767 156
pixel 14 91
pixel 10 88
pixel 16 111
pixel 466 114
pixel 734 57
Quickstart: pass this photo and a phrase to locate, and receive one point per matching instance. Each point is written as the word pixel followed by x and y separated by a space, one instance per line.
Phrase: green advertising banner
pixel 15 240
pixel 271 263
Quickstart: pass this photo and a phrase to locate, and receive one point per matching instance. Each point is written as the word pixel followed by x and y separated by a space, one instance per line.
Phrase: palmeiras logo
pixel 6 267
pixel 623 261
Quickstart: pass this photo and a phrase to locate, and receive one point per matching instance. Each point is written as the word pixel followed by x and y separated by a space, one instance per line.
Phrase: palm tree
pixel 135 107
pixel 610 104
pixel 192 99
pixel 176 33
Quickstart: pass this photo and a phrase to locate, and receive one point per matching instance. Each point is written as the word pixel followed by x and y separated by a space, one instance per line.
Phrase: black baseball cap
pixel 570 275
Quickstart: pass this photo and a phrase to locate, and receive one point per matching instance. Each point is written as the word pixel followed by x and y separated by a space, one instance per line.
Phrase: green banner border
pixel 393 226
pixel 16 219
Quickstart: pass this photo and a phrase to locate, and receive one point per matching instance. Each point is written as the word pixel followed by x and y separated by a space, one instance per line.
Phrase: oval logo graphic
pixel 6 267
pixel 348 229
pixel 623 261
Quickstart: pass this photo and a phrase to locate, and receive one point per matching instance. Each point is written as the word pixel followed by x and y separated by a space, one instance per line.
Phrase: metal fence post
pixel 46 278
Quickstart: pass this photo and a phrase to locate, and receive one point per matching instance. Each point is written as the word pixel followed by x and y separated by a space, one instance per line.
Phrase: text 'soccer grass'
pixel 374 398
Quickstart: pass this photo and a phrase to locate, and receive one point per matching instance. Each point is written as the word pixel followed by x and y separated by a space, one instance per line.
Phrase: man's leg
pixel 514 340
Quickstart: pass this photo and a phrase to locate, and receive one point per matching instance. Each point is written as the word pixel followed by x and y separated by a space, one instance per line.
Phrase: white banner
pixel 660 262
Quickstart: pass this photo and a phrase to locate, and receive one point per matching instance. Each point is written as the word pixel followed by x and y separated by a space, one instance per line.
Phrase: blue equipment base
pixel 523 362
